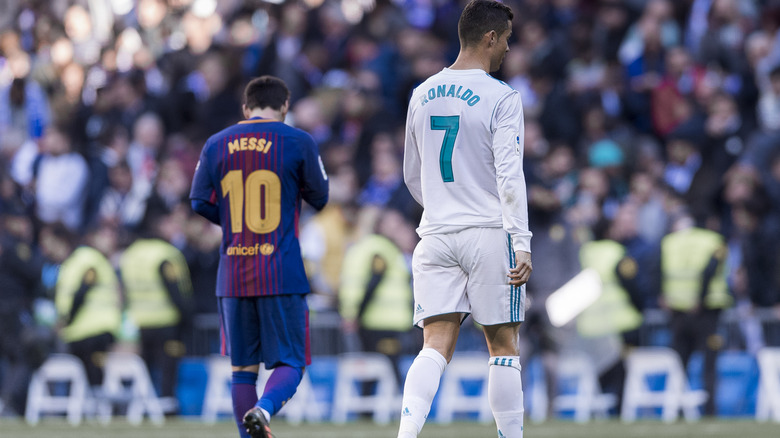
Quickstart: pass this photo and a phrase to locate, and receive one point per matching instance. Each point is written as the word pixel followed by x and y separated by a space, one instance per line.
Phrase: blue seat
pixel 191 386
pixel 737 384
pixel 322 372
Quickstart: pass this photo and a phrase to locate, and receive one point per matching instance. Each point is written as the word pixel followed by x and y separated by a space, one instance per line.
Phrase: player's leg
pixel 440 304
pixel 500 308
pixel 243 391
pixel 241 342
pixel 279 388
pixel 440 333
pixel 284 322
pixel 505 386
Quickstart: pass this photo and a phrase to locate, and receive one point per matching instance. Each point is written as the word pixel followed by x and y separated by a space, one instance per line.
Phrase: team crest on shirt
pixel 517 144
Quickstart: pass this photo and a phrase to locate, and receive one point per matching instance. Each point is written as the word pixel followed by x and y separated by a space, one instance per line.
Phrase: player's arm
pixel 412 162
pixel 715 267
pixel 508 160
pixel 177 292
pixel 87 282
pixel 203 195
pixel 314 189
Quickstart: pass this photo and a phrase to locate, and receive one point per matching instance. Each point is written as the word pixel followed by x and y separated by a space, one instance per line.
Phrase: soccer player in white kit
pixel 463 162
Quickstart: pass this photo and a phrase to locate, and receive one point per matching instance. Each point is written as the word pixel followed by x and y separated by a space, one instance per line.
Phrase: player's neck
pixel 470 59
pixel 266 113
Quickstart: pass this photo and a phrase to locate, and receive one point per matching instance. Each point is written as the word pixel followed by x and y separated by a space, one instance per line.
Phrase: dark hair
pixel 480 17
pixel 266 92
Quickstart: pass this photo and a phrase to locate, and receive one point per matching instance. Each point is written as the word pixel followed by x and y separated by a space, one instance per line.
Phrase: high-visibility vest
pixel 390 307
pixel 612 312
pixel 685 255
pixel 336 235
pixel 148 302
pixel 101 311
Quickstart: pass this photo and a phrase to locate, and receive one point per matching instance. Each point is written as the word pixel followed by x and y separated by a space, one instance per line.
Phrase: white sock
pixel 422 382
pixel 505 391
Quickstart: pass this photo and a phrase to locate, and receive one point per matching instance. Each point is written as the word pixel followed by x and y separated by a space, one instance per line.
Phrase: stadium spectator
pixel 123 203
pixel 20 277
pixel 24 106
pixel 61 179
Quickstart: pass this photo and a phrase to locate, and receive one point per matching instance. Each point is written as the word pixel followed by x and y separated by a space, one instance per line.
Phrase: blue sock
pixel 280 387
pixel 244 392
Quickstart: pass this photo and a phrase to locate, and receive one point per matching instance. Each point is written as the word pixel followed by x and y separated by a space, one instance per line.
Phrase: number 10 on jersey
pixel 261 194
pixel 450 126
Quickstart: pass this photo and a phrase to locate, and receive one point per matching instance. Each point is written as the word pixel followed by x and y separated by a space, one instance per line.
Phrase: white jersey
pixel 463 155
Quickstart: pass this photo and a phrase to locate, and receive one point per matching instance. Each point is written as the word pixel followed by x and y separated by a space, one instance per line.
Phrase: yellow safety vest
pixel 148 303
pixel 685 255
pixel 336 234
pixel 101 311
pixel 390 308
pixel 612 312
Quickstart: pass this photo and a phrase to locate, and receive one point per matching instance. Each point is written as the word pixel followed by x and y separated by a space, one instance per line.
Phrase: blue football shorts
pixel 273 330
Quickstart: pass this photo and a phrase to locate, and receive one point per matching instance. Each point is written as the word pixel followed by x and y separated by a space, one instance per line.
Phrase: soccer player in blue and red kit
pixel 250 180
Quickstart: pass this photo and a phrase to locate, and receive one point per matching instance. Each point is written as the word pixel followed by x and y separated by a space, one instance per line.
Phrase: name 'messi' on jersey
pixel 249 144
pixel 449 90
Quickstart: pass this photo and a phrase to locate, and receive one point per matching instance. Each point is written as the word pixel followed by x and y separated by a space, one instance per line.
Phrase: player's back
pixel 260 170
pixel 450 127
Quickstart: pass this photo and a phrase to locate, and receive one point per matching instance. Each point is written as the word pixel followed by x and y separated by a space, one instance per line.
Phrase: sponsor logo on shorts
pixel 418 310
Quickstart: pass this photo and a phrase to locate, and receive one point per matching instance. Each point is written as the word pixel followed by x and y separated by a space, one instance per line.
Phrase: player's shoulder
pixel 301 136
pixel 499 84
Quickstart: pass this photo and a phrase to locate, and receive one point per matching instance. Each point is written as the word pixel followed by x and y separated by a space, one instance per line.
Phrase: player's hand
pixel 519 275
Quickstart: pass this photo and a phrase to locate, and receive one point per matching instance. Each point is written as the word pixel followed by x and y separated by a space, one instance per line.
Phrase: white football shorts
pixel 466 272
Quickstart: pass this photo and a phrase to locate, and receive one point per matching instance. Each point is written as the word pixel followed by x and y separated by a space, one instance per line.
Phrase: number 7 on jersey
pixel 450 126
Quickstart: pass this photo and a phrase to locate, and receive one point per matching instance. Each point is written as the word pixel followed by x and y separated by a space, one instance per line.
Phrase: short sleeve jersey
pixel 463 155
pixel 257 172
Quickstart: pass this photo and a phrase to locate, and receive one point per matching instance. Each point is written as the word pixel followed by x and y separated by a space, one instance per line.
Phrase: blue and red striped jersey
pixel 250 180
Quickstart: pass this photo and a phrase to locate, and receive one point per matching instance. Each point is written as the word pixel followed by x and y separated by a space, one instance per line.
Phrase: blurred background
pixel 652 154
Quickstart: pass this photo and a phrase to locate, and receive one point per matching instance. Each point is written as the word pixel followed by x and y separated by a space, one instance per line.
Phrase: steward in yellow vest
pixel 375 297
pixel 88 299
pixel 625 263
pixel 157 283
pixel 376 287
pixel 694 289
pixel 159 290
pixel 693 273
pixel 613 312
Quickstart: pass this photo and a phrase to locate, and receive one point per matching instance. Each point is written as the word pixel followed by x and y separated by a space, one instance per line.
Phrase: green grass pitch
pixel 57 428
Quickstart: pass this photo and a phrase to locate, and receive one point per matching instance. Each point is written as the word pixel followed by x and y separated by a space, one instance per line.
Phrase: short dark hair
pixel 266 92
pixel 480 17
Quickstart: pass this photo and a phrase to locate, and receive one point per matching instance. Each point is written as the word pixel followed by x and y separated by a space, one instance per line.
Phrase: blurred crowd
pixel 642 117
